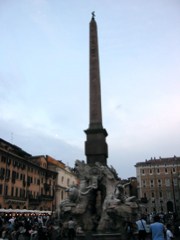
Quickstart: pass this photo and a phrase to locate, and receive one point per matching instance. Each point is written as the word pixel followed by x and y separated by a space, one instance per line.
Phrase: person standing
pixel 71 229
pixel 141 227
pixel 169 234
pixel 1 225
pixel 157 229
pixel 130 231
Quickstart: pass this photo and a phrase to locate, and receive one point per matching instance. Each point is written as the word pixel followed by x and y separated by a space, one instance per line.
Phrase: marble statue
pixel 99 202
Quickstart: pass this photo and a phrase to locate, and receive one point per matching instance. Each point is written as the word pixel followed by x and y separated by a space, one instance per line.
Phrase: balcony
pixel 15 200
pixel 14 197
pixel 46 197
pixel 34 201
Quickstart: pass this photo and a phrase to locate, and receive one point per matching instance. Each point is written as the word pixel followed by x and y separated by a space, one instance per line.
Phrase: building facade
pixel 65 179
pixel 31 182
pixel 159 184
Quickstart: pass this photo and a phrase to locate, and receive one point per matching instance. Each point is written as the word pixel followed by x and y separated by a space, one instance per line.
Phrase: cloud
pixel 36 142
pixel 44 78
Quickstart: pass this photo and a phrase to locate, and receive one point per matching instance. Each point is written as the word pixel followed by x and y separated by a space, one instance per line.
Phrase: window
pixel 18 164
pixel 13 175
pixel 28 180
pixel 7 173
pixel 150 171
pixel 152 194
pixel 8 161
pixel 152 183
pixel 175 181
pixel 144 183
pixel 62 179
pixel 12 191
pixel 6 190
pixel 62 195
pixel 16 192
pixel 3 159
pixel 166 171
pixel 2 171
pixel 20 192
pixel 160 194
pixel 167 182
pixel 168 195
pixel 14 163
pixel 0 189
pixel 17 175
pixel 159 182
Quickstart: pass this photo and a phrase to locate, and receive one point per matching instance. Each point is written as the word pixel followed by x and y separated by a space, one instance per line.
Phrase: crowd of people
pixel 27 227
pixel 154 227
pixel 37 227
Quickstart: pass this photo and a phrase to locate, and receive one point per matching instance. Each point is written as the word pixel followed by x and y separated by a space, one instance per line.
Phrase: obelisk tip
pixel 93 15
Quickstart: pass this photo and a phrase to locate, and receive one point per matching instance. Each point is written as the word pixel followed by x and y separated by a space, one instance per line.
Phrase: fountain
pixel 99 204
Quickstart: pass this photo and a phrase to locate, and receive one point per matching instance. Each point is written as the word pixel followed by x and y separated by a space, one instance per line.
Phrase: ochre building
pixel 31 182
pixel 159 184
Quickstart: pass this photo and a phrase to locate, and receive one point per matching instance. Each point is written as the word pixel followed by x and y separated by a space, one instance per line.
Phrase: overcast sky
pixel 44 77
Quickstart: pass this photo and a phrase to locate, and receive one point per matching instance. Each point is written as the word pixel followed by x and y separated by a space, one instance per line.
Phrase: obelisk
pixel 96 149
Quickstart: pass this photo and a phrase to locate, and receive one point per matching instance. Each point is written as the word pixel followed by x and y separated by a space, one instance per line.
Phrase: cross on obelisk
pixel 96 149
